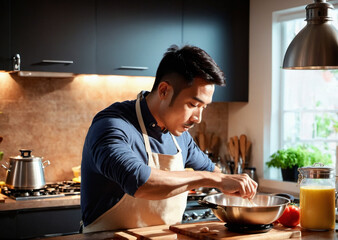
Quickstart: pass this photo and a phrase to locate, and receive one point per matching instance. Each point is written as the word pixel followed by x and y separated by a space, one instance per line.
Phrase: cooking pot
pixel 264 209
pixel 25 172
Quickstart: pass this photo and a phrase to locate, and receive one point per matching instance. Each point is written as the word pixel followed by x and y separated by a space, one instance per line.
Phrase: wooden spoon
pixel 201 141
pixel 242 147
pixel 214 145
pixel 231 148
pixel 236 152
pixel 201 127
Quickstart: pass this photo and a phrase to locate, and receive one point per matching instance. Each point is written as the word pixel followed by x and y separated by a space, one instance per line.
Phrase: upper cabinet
pixel 132 36
pixel 54 35
pixel 125 37
pixel 221 28
pixel 5 35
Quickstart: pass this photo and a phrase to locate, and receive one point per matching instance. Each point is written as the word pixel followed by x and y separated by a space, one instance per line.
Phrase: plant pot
pixel 290 174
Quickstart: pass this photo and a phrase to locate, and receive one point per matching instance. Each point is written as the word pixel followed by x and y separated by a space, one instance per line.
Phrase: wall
pixel 51 116
pixel 253 118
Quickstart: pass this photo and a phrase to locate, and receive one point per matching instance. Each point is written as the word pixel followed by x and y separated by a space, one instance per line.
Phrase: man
pixel 136 151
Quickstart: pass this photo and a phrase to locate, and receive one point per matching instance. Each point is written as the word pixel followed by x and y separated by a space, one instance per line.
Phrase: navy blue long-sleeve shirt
pixel 114 158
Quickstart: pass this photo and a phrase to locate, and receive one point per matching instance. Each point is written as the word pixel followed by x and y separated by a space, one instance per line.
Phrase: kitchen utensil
pixel 202 141
pixel 218 231
pixel 208 138
pixel 25 172
pixel 229 148
pixel 228 167
pixel 236 153
pixel 223 165
pixel 242 148
pixel 214 145
pixel 232 210
pixel 202 127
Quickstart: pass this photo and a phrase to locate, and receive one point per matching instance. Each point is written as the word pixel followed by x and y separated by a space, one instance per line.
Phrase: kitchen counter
pixel 11 204
pixel 163 232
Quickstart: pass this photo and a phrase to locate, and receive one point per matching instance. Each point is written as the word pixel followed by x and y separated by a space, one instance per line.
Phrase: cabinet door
pixel 221 28
pixel 132 36
pixel 54 35
pixel 5 35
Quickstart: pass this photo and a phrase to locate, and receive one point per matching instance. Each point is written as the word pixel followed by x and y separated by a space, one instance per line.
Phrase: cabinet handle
pixel 16 62
pixel 133 68
pixel 58 61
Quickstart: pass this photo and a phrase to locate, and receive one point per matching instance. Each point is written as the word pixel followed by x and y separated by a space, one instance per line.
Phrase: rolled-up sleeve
pixel 116 155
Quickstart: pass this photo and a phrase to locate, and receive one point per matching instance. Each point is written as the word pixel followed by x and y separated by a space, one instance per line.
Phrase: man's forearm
pixel 163 184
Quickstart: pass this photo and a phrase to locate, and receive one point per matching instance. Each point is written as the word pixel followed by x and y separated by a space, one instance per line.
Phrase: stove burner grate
pixel 261 228
pixel 51 190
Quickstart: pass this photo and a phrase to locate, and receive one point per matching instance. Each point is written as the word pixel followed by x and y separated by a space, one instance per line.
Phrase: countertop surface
pixel 157 232
pixel 11 204
pixel 163 232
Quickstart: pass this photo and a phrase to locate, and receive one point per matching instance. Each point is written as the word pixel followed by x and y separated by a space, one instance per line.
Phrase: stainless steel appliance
pixel 241 215
pixel 25 172
pixel 194 212
pixel 50 190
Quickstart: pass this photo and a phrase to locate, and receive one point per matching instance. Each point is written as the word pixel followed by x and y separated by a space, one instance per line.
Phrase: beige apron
pixel 132 212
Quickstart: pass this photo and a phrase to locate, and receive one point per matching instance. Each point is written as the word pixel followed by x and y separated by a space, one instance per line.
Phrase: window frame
pixel 272 177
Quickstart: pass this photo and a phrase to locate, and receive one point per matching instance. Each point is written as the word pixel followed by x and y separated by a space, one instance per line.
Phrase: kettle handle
pixel 5 167
pixel 48 163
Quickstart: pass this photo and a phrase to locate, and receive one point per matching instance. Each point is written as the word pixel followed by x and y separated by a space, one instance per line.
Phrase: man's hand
pixel 238 185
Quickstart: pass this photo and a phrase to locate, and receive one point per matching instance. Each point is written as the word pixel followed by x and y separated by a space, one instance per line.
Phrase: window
pixel 307 104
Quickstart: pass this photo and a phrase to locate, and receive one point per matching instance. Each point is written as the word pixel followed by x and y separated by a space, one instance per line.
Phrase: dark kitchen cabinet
pixel 5 35
pixel 221 28
pixel 126 37
pixel 54 35
pixel 42 222
pixel 132 36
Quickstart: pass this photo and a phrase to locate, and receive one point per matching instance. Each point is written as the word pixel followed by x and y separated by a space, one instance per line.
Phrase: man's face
pixel 186 109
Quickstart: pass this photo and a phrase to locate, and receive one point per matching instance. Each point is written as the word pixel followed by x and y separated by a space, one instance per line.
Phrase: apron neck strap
pixel 143 128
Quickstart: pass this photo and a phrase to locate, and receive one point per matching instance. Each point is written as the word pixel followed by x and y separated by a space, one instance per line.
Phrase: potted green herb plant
pixel 290 159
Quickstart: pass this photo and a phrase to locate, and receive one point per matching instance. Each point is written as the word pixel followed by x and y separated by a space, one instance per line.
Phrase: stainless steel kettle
pixel 25 172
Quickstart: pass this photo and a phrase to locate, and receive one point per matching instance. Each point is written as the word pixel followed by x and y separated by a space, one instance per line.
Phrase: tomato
pixel 290 216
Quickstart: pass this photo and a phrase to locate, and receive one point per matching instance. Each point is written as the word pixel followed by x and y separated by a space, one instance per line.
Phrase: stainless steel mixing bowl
pixel 265 209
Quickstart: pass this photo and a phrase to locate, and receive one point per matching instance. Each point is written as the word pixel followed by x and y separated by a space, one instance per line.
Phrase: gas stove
pixel 51 190
pixel 194 212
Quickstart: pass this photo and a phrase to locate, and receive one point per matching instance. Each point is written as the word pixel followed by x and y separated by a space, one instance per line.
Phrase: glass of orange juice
pixel 317 198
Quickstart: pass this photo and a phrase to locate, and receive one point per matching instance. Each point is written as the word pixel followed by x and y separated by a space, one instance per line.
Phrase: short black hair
pixel 189 62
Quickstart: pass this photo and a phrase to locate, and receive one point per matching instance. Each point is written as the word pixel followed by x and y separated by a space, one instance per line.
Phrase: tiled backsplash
pixel 51 116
